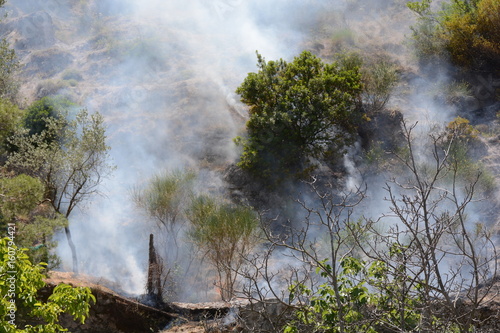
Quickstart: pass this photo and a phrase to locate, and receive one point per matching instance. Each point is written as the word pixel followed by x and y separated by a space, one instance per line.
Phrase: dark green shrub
pixel 298 110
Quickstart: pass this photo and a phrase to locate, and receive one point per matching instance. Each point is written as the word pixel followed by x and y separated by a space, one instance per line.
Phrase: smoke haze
pixel 163 73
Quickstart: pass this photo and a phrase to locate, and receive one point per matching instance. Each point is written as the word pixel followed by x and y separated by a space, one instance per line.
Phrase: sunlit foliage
pixel 21 281
pixel 299 109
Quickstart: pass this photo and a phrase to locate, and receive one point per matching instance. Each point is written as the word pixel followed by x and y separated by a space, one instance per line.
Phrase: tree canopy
pixel 72 167
pixel 21 202
pixel 299 109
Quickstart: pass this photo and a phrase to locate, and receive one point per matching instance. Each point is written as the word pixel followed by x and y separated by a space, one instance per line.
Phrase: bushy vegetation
pixel 53 163
pixel 411 271
pixel 334 310
pixel 424 267
pixel 379 78
pixel 67 157
pixel 20 304
pixel 298 110
pixel 21 200
pixel 464 30
pixel 226 234
pixel 37 115
pixel 19 195
pixel 165 195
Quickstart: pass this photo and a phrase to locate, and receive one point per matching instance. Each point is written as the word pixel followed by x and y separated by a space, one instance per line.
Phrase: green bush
pixel 379 77
pixel 366 300
pixel 70 158
pixel 20 303
pixel 164 195
pixel 462 142
pixel 18 196
pixel 298 110
pixel 40 111
pixel 466 31
pixel 20 202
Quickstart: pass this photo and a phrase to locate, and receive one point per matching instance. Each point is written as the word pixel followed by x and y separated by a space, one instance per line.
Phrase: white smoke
pixel 163 101
pixel 163 73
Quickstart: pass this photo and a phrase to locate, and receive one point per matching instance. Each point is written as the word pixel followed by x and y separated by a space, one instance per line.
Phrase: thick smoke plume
pixel 163 74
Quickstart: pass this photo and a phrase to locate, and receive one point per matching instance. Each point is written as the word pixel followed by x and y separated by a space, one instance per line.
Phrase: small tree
pixel 226 233
pixel 72 167
pixel 20 281
pixel 298 110
pixel 319 284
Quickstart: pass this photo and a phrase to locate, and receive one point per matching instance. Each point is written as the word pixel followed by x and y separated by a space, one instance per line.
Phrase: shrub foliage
pixel 299 109
pixel 464 30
